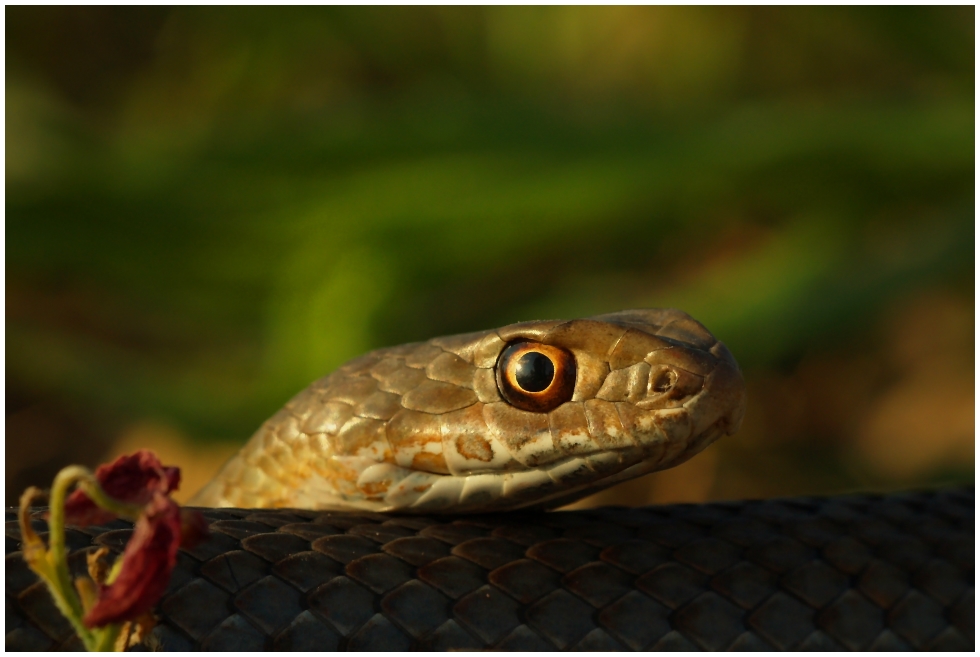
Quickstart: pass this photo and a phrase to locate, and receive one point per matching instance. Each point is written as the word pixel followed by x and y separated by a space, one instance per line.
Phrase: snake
pixel 405 501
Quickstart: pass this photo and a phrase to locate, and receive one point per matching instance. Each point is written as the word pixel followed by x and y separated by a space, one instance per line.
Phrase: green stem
pixel 106 642
pixel 64 594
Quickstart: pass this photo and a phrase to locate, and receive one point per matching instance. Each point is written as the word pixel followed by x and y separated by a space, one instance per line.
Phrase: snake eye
pixel 535 377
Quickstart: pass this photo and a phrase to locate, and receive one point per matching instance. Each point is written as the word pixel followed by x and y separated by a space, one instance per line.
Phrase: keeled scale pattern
pixel 855 573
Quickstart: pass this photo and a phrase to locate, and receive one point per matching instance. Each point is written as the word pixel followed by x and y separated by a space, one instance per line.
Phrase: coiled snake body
pixel 444 435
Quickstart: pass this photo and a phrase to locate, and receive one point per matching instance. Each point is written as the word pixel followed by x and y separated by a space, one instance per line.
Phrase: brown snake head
pixel 535 414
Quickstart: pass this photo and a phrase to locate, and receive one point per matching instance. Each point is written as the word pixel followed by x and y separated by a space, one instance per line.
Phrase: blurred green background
pixel 206 209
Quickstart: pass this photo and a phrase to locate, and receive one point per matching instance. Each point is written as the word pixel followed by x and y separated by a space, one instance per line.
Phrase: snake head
pixel 533 414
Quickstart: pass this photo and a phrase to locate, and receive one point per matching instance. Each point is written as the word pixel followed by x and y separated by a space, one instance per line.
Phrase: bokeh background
pixel 206 209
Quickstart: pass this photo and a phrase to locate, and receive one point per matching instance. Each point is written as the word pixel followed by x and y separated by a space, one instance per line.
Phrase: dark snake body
pixel 856 572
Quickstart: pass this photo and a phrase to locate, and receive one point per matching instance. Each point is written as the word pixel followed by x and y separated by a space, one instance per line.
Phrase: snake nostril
pixel 664 381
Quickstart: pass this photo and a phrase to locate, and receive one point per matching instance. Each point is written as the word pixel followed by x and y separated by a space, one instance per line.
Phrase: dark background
pixel 209 208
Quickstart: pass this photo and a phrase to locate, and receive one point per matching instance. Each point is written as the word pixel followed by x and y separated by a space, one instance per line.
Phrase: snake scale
pixel 409 489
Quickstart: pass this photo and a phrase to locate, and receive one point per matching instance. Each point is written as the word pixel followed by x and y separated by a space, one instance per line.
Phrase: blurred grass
pixel 207 208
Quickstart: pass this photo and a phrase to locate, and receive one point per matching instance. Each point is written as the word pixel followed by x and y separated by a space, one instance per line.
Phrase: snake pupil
pixel 534 372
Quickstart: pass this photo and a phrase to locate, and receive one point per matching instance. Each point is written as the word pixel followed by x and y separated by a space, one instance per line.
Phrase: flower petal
pixel 147 563
pixel 133 479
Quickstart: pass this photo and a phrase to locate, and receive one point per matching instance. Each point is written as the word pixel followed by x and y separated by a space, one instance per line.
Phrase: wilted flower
pixel 135 487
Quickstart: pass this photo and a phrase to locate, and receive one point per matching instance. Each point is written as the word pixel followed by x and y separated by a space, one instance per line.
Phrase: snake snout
pixel 722 402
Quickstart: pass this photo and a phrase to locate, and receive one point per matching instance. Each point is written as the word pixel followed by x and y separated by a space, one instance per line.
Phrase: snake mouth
pixel 556 484
pixel 393 488
pixel 548 486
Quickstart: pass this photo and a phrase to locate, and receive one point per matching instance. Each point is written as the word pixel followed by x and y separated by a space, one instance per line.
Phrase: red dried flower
pixel 134 479
pixel 134 487
pixel 147 562
pixel 139 480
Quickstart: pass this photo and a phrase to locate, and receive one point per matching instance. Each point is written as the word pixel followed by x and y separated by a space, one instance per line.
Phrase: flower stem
pixel 55 563
pixel 108 637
